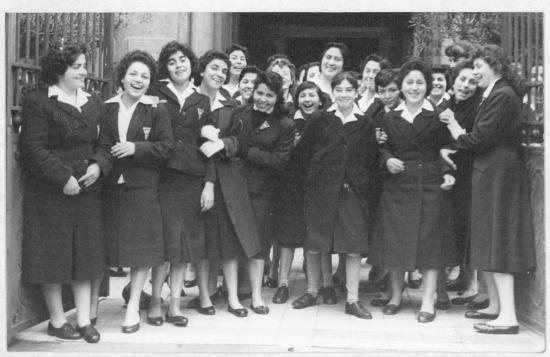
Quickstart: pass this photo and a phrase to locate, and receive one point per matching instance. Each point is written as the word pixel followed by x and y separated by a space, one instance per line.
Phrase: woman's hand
pixel 448 182
pixel 91 175
pixel 121 150
pixel 210 132
pixel 445 155
pixel 448 117
pixel 381 136
pixel 395 165
pixel 207 196
pixel 72 187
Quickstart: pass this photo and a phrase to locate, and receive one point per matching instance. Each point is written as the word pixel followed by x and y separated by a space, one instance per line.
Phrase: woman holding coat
pixel 501 232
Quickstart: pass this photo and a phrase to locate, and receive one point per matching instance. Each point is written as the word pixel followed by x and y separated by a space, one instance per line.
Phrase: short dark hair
pixel 136 56
pixel 443 69
pixel 208 57
pixel 384 63
pixel 284 61
pixel 56 62
pixel 416 65
pixel 168 50
pixel 248 69
pixel 460 49
pixel 342 76
pixel 385 77
pixel 274 82
pixel 236 47
pixel 310 85
pixel 344 50
pixel 497 58
pixel 274 57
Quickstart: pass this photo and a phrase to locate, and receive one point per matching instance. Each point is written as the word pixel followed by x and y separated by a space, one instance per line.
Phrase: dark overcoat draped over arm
pixel 501 230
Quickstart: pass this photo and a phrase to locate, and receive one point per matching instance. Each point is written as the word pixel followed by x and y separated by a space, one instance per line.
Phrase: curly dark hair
pixel 248 69
pixel 168 50
pixel 236 47
pixel 416 64
pixel 208 57
pixel 444 70
pixel 344 50
pixel 274 82
pixel 384 63
pixel 343 76
pixel 310 85
pixel 385 77
pixel 460 49
pixel 56 62
pixel 136 56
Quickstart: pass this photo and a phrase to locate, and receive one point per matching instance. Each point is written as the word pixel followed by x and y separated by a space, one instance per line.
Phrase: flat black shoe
pixel 496 330
pixel 180 321
pixel 379 302
pixel 190 283
pixel 155 321
pixel 460 300
pixel 304 301
pixel 443 304
pixel 424 316
pixel 241 312
pixel 260 310
pixel 195 302
pixel 474 305
pixel 357 309
pixel 391 309
pixel 281 295
pixel 456 284
pixel 89 333
pixel 329 295
pixel 472 314
pixel 209 310
pixel 65 332
pixel 130 329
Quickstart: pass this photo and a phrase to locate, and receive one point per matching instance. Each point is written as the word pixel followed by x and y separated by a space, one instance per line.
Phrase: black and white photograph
pixel 317 178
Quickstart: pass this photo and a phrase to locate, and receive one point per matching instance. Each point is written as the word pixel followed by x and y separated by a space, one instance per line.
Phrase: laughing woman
pixel 334 59
pixel 238 56
pixel 136 137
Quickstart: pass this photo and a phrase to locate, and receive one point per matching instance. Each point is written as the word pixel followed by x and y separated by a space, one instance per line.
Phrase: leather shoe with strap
pixel 496 330
pixel 281 295
pixel 472 314
pixel 241 312
pixel 304 301
pixel 357 309
pixel 260 310
pixel 65 332
pixel 424 316
pixel 89 333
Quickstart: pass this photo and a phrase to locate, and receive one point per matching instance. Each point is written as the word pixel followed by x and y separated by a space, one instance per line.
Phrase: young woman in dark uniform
pixel 182 191
pixel 63 225
pixel 501 232
pixel 136 137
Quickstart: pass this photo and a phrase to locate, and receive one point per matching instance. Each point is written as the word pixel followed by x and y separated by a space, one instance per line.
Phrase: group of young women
pixel 212 161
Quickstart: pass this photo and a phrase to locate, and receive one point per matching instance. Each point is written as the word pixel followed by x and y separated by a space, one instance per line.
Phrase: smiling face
pixel 414 87
pixel 136 80
pixel 332 62
pixel 246 85
pixel 465 84
pixel 312 73
pixel 74 76
pixel 264 98
pixel 179 68
pixel 284 72
pixel 308 100
pixel 439 85
pixel 238 62
pixel 214 74
pixel 344 94
pixel 369 72
pixel 389 95
pixel 483 73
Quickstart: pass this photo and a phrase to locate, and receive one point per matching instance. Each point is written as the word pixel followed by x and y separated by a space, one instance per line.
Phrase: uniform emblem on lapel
pixel 264 125
pixel 146 131
pixel 200 111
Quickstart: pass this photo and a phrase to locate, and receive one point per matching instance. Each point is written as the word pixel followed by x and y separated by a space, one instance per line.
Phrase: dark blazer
pixel 141 169
pixel 376 112
pixel 58 141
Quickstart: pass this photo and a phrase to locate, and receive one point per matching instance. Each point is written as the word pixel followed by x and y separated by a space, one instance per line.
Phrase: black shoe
pixel 357 309
pixel 391 309
pixel 474 305
pixel 89 333
pixel 209 310
pixel 180 321
pixel 443 304
pixel 271 283
pixel 281 295
pixel 304 301
pixel 241 312
pixel 65 332
pixel 190 283
pixel 496 330
pixel 244 296
pixel 329 295
pixel 260 310
pixel 379 302
pixel 472 314
pixel 130 329
pixel 144 298
pixel 457 284
pixel 195 302
pixel 460 300
pixel 155 321
pixel 424 316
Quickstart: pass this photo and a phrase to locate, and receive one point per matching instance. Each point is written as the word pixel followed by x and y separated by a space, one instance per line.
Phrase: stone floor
pixel 322 328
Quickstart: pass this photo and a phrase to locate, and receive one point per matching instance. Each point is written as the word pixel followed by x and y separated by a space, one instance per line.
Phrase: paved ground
pixel 314 330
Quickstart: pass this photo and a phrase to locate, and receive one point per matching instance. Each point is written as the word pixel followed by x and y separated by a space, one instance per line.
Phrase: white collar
pixel 445 96
pixel 408 116
pixel 364 103
pixel 81 96
pixel 145 99
pixel 217 99
pixel 298 115
pixel 489 88
pixel 351 117
pixel 268 112
pixel 182 96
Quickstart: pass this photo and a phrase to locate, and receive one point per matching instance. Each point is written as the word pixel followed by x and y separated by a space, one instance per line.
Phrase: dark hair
pixel 342 76
pixel 236 47
pixel 284 61
pixel 248 69
pixel 208 57
pixel 168 50
pixel 275 57
pixel 460 49
pixel 306 67
pixel 310 85
pixel 497 59
pixel 459 67
pixel 443 69
pixel 136 56
pixel 385 77
pixel 274 82
pixel 56 62
pixel 384 63
pixel 344 50
pixel 416 65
